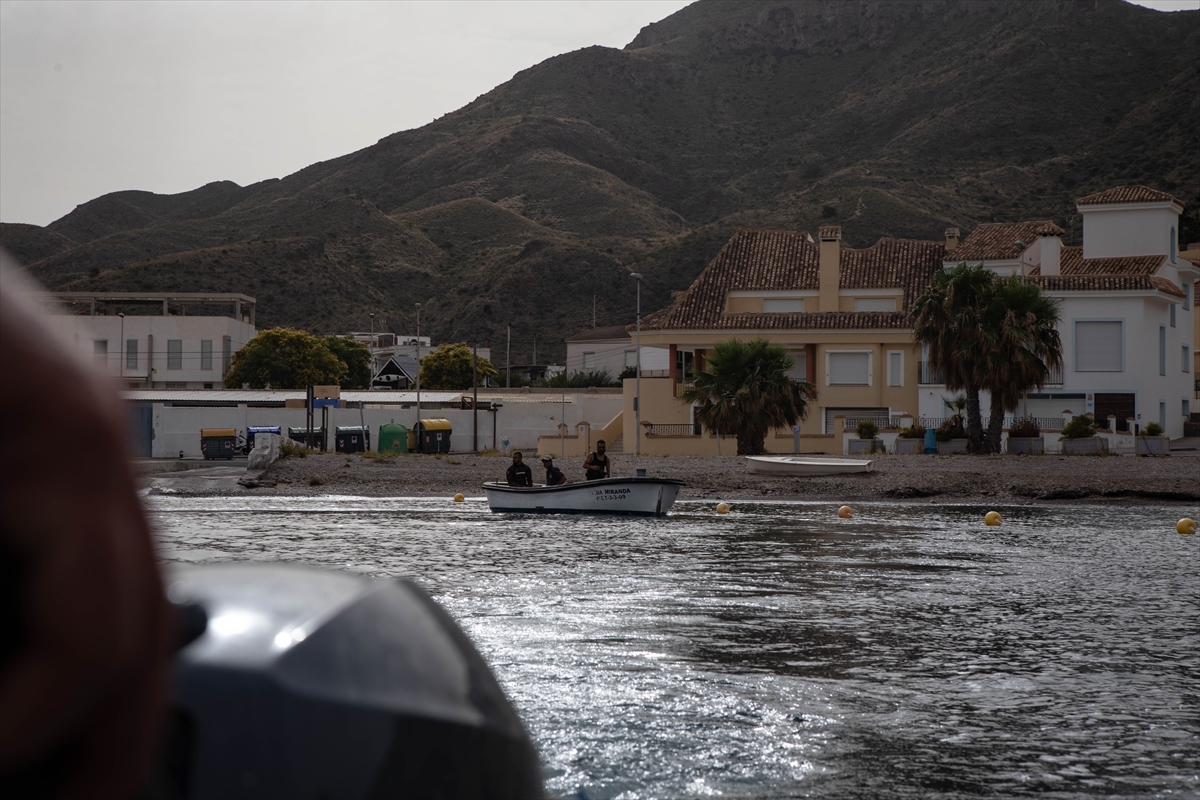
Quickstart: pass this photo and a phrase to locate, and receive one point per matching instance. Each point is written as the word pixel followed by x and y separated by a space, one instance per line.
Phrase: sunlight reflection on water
pixel 779 651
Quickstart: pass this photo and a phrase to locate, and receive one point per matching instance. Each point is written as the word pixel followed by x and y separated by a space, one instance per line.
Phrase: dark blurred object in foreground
pixel 85 632
pixel 313 684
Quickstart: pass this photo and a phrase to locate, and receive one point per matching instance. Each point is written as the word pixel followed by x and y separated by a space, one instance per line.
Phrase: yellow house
pixel 842 314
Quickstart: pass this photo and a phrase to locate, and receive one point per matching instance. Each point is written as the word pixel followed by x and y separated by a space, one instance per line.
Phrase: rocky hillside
pixel 888 117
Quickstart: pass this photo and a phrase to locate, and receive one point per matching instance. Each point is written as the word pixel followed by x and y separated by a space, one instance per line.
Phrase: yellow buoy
pixel 458 498
pixel 1186 525
pixel 722 508
pixel 993 518
pixel 845 512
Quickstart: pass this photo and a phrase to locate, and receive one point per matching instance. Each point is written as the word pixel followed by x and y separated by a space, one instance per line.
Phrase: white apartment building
pixel 155 340
pixel 1126 304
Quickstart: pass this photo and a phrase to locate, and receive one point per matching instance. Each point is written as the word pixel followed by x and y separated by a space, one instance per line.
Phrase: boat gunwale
pixel 542 488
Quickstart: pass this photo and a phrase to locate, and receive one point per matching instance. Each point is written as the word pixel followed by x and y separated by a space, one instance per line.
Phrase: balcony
pixel 683 429
pixel 933 377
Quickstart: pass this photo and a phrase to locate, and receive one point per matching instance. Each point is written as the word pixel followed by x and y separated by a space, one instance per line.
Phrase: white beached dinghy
pixel 649 497
pixel 805 465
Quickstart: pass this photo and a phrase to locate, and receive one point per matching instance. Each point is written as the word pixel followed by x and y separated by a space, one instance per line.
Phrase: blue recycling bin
pixel 930 441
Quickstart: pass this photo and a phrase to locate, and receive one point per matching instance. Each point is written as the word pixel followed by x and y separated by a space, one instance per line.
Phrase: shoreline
pixel 1013 480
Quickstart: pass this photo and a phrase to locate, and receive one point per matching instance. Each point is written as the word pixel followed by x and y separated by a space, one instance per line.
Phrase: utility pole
pixel 637 391
pixel 593 311
pixel 475 395
pixel 418 425
pixel 121 348
pixel 508 360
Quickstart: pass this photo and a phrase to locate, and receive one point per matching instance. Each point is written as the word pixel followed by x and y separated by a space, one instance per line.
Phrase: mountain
pixel 529 206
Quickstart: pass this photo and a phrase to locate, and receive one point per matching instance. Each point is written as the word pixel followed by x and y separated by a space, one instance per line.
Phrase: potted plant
pixel 867 441
pixel 1079 437
pixel 1025 437
pixel 952 436
pixel 1151 442
pixel 911 440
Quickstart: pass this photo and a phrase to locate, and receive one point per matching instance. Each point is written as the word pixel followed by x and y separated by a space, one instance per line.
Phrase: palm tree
pixel 746 391
pixel 947 319
pixel 1022 345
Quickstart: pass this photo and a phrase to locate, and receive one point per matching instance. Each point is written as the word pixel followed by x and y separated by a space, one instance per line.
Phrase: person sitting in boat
pixel 596 465
pixel 554 475
pixel 519 473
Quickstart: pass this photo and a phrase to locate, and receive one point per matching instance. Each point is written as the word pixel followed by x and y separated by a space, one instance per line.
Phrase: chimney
pixel 1051 247
pixel 951 239
pixel 830 261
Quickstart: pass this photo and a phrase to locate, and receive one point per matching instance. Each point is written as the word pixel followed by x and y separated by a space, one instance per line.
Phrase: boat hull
pixel 797 465
pixel 645 497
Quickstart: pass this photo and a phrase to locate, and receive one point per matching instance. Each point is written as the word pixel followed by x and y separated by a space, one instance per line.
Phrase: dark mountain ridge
pixel 889 118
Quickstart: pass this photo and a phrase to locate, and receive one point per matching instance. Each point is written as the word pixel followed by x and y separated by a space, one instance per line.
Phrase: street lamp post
pixel 415 427
pixel 496 405
pixel 371 348
pixel 1021 254
pixel 121 347
pixel 637 390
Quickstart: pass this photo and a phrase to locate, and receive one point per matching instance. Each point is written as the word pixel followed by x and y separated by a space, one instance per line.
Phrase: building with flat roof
pixel 155 340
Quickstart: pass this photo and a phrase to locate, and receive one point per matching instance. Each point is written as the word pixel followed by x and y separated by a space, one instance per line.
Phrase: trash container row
pixel 427 436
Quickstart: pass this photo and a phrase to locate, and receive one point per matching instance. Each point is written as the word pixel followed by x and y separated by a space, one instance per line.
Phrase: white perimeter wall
pixel 178 429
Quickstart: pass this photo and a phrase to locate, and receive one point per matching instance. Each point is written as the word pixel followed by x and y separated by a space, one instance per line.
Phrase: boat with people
pixel 639 496
pixel 805 465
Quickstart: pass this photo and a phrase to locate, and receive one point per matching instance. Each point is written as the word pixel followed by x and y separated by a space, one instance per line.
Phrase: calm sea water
pixel 781 652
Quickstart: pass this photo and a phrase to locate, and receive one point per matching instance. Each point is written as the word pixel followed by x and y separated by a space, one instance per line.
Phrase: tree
pixel 578 380
pixel 449 368
pixel 947 320
pixel 283 358
pixel 1022 345
pixel 745 390
pixel 357 359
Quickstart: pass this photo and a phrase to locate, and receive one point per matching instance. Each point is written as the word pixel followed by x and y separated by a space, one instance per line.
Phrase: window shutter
pixel 1099 346
pixel 875 304
pixel 850 369
pixel 799 370
pixel 895 368
pixel 783 305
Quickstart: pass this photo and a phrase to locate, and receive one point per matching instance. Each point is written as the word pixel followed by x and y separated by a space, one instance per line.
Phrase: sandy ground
pixel 1124 480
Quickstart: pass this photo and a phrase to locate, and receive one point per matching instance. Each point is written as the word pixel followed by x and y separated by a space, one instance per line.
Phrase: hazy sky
pixel 96 97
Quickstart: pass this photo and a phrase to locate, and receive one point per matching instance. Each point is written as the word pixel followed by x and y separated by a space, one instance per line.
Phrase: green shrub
pixel 915 432
pixel 1024 428
pixel 1081 427
pixel 1153 429
pixel 951 429
pixel 867 429
pixel 290 448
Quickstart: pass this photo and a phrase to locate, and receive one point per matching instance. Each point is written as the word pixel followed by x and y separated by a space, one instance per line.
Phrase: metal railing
pixel 680 429
pixel 1045 423
pixel 883 423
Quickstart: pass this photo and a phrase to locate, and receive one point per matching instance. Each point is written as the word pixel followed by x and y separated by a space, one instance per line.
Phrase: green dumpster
pixel 393 438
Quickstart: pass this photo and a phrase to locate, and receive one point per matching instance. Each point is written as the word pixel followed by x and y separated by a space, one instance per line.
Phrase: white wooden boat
pixel 805 465
pixel 649 497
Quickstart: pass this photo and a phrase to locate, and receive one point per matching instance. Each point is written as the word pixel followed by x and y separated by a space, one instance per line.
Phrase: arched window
pixel 1174 245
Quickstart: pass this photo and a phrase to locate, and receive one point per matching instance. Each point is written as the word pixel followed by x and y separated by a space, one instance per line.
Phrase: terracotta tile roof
pixel 601 334
pixel 1072 262
pixel 829 233
pixel 766 260
pixel 1106 283
pixel 1127 194
pixel 994 240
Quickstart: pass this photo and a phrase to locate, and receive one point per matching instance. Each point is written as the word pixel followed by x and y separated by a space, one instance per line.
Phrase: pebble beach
pixel 1121 480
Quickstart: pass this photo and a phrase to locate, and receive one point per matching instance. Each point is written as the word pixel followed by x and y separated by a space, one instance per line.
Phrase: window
pixel 176 384
pixel 208 386
pixel 1172 315
pixel 895 367
pixel 1174 245
pixel 631 358
pixel 1187 408
pixel 848 369
pixel 1099 346
pixel 131 354
pixel 174 354
pixel 874 304
pixel 1162 414
pixel 1162 349
pixel 1187 358
pixel 589 360
pixel 799 370
pixel 100 350
pixel 783 305
pixel 206 354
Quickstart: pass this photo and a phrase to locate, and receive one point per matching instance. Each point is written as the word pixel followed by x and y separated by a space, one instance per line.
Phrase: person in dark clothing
pixel 554 475
pixel 596 465
pixel 519 473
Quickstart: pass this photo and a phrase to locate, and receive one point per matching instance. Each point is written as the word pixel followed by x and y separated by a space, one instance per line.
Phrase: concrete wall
pixel 177 429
